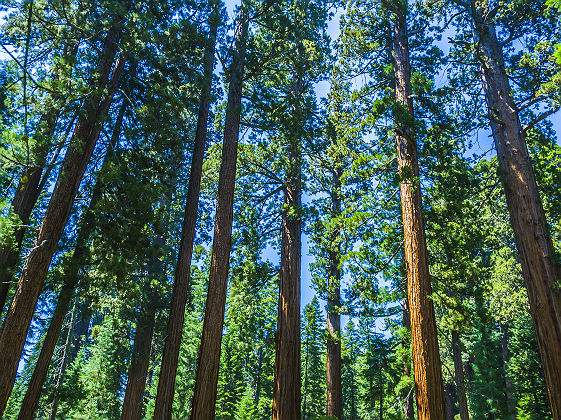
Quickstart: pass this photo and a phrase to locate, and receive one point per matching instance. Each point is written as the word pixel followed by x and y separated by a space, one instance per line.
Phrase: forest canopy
pixel 291 209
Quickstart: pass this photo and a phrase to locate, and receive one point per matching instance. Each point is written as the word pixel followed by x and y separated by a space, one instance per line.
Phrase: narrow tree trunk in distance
pixel 449 402
pixel 408 409
pixel 140 358
pixel 204 396
pixel 70 280
pixel 86 133
pixel 287 386
pixel 459 375
pixel 426 357
pixel 170 356
pixel 540 268
pixel 334 389
pixel 511 409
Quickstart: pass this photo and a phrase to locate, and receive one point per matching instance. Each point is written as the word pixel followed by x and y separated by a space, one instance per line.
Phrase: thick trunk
pixel 540 268
pixel 426 357
pixel 79 152
pixel 140 358
pixel 286 386
pixel 70 279
pixel 459 375
pixel 334 389
pixel 204 397
pixel 170 357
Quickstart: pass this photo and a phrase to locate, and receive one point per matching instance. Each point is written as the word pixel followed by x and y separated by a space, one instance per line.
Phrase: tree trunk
pixel 511 407
pixel 170 356
pixel 29 188
pixel 287 386
pixel 540 268
pixel 138 371
pixel 334 389
pixel 79 152
pixel 449 402
pixel 408 409
pixel 426 357
pixel 459 375
pixel 70 280
pixel 204 396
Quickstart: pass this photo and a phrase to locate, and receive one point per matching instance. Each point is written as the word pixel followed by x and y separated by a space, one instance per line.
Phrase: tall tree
pixel 424 340
pixel 83 141
pixel 168 370
pixel 204 397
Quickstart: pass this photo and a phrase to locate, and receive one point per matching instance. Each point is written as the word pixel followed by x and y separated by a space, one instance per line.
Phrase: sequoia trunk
pixel 426 357
pixel 79 152
pixel 459 375
pixel 170 357
pixel 204 397
pixel 540 267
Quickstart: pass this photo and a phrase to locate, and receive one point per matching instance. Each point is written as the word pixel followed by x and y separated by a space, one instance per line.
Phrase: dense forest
pixel 286 209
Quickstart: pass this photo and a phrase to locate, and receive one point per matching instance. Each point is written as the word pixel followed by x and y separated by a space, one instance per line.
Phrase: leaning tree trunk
pixel 286 386
pixel 459 375
pixel 540 267
pixel 86 133
pixel 204 396
pixel 334 389
pixel 29 188
pixel 426 357
pixel 170 357
pixel 70 280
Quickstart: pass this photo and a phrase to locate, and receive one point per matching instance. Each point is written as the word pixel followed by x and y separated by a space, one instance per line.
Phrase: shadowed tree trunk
pixel 511 406
pixel 334 389
pixel 426 357
pixel 408 409
pixel 170 356
pixel 204 396
pixel 70 280
pixel 286 386
pixel 459 375
pixel 540 267
pixel 86 133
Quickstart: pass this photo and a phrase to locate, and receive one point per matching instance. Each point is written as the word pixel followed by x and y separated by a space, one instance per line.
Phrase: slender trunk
pixel 511 409
pixel 334 388
pixel 63 364
pixel 304 416
pixel 140 358
pixel 426 357
pixel 540 267
pixel 204 396
pixel 459 375
pixel 70 280
pixel 170 356
pixel 287 387
pixel 29 186
pixel 79 152
pixel 449 402
pixel 408 409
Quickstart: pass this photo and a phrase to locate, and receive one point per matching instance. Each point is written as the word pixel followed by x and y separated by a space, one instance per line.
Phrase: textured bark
pixel 170 356
pixel 138 371
pixel 86 133
pixel 459 375
pixel 334 388
pixel 533 240
pixel 204 397
pixel 27 193
pixel 426 357
pixel 287 386
pixel 70 280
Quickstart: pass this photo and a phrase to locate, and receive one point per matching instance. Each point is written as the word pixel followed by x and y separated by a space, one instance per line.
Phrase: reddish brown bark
pixel 540 268
pixel 426 357
pixel 334 388
pixel 286 386
pixel 86 133
pixel 204 396
pixel 70 280
pixel 170 357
